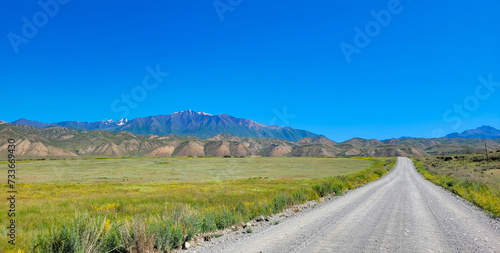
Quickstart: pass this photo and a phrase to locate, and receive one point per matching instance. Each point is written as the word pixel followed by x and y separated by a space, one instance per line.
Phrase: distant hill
pixel 198 124
pixel 319 139
pixel 98 125
pixel 32 123
pixel 191 133
pixel 360 142
pixel 62 142
pixel 441 146
pixel 484 132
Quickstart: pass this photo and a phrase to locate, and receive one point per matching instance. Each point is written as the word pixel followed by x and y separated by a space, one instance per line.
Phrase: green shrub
pixel 338 188
pixel 280 202
pixel 224 219
pixel 299 197
pixel 83 234
pixel 208 223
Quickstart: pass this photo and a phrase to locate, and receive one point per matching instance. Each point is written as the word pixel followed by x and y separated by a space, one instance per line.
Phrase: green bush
pixel 83 234
pixel 280 202
pixel 338 188
pixel 224 219
pixel 299 197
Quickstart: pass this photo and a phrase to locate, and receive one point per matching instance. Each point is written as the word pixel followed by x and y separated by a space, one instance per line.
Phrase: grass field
pixel 469 175
pixel 123 201
pixel 467 167
pixel 162 170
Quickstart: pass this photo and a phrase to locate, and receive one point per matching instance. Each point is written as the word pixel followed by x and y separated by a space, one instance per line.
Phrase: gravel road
pixel 402 212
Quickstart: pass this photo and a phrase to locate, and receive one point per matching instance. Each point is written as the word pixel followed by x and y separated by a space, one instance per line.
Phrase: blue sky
pixel 414 74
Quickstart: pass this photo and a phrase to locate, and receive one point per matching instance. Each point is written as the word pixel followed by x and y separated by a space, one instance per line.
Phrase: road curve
pixel 402 212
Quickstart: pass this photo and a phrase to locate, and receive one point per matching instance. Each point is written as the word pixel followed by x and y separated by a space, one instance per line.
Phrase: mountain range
pixel 189 133
pixel 485 132
pixel 190 123
pixel 63 142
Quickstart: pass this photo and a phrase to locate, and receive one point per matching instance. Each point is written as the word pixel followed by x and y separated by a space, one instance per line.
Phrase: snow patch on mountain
pixel 189 111
pixel 204 113
pixel 122 122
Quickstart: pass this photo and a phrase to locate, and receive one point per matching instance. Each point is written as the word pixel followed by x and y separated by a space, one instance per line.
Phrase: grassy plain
pixel 163 202
pixel 170 170
pixel 469 175
pixel 467 167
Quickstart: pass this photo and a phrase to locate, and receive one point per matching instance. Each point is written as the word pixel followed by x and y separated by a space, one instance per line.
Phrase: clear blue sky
pixel 261 57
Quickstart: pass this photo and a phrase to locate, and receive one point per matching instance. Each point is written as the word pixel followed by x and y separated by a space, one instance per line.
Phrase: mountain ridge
pixel 204 125
pixel 188 122
pixel 62 142
pixel 485 132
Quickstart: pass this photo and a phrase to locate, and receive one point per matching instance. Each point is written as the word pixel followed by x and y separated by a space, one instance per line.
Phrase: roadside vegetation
pixel 470 176
pixel 80 216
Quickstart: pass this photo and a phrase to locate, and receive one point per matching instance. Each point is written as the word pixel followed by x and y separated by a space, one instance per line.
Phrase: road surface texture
pixel 402 212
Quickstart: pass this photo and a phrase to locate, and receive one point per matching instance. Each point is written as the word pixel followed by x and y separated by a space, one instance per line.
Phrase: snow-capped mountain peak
pixel 204 113
pixel 198 124
pixel 122 122
pixel 189 111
